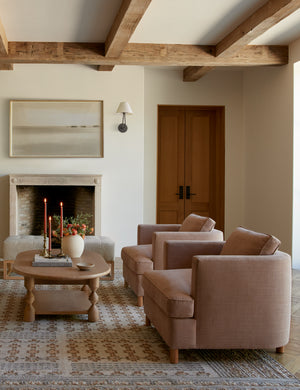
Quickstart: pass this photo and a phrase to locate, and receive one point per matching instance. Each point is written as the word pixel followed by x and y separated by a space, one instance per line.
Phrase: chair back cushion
pixel 197 223
pixel 247 242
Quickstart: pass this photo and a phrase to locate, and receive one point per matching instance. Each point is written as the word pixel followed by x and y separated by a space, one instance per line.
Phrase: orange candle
pixel 61 219
pixel 45 216
pixel 49 234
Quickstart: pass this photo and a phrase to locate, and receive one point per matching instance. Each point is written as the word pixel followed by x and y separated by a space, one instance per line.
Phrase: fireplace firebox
pixel 79 194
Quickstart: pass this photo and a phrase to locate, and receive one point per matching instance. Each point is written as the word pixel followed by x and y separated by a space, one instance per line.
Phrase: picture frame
pixel 56 128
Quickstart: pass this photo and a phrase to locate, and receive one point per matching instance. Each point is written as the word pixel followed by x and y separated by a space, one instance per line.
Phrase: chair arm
pixel 179 254
pixel 145 231
pixel 241 298
pixel 159 238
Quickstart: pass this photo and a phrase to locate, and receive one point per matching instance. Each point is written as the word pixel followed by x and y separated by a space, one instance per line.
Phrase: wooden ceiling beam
pixel 140 54
pixel 105 68
pixel 6 67
pixel 127 19
pixel 4 48
pixel 3 40
pixel 259 22
pixel 125 23
pixel 194 73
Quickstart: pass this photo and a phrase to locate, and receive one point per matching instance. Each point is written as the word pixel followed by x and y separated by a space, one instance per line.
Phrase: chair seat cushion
pixel 171 291
pixel 138 258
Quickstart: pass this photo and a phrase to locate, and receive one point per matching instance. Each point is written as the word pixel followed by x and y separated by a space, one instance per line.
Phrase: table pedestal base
pixel 58 302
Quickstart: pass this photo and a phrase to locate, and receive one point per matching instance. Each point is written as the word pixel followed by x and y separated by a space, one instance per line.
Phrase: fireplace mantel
pixel 53 180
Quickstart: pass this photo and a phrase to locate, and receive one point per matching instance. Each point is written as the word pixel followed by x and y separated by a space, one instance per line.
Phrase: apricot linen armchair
pixel 227 300
pixel 149 253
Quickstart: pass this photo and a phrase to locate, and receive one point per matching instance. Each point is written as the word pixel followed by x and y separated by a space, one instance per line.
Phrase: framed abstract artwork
pixel 56 128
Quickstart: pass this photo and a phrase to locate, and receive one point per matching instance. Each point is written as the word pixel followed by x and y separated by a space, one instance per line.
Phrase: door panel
pixel 170 176
pixel 197 162
pixel 190 154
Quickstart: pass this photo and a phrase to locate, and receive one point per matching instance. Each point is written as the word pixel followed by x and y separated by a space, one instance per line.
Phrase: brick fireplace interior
pixel 79 194
pixel 76 200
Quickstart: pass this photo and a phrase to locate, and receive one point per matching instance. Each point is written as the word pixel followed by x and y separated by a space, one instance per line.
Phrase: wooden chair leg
pixel 125 284
pixel 173 356
pixel 280 350
pixel 111 275
pixel 140 301
pixel 8 270
pixel 112 270
pixel 148 323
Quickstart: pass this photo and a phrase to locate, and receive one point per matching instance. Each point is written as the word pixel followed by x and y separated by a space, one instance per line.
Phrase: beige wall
pixel 268 123
pixel 222 88
pixel 258 135
pixel 258 140
pixel 122 165
pixel 296 176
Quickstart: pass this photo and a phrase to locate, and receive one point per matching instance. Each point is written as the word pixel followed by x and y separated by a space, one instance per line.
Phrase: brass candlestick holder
pixel 44 251
pixel 61 253
pixel 49 254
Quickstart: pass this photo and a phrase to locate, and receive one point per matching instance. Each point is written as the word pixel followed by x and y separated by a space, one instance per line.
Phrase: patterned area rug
pixel 119 352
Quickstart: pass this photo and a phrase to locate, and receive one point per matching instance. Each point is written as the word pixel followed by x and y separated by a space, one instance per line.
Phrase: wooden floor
pixel 291 356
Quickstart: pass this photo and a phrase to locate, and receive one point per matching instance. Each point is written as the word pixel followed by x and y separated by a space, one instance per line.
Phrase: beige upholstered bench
pixel 106 247
pixel 12 246
pixel 15 244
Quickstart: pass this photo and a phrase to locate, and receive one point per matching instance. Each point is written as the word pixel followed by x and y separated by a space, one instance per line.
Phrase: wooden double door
pixel 190 175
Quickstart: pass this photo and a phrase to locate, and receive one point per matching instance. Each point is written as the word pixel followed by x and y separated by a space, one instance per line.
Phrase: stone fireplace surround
pixel 79 193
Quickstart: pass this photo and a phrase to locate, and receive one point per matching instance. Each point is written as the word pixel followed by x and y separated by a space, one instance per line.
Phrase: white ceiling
pixel 192 21
pixel 58 20
pixel 165 21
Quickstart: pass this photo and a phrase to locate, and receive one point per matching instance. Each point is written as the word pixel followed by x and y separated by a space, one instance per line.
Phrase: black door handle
pixel 188 192
pixel 180 193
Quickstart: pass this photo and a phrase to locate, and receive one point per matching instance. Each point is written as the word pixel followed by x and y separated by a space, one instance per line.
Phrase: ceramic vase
pixel 73 246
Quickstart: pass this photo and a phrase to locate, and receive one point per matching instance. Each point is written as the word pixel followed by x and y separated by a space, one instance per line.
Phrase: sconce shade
pixel 124 107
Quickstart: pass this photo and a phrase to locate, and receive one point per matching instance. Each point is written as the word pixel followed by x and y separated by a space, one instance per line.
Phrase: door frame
pixel 220 153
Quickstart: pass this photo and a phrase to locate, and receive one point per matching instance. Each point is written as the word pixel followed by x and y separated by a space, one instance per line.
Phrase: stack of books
pixel 40 261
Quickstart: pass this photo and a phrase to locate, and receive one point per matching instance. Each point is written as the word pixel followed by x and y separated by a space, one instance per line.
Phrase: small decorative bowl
pixel 85 266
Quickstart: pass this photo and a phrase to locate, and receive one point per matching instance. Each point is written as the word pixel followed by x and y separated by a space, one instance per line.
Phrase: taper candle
pixel 61 219
pixel 45 216
pixel 50 234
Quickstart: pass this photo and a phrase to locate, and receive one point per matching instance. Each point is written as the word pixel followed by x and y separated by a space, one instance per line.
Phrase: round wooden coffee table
pixel 61 301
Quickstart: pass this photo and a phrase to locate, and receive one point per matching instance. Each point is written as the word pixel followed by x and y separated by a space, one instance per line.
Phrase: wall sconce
pixel 124 108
